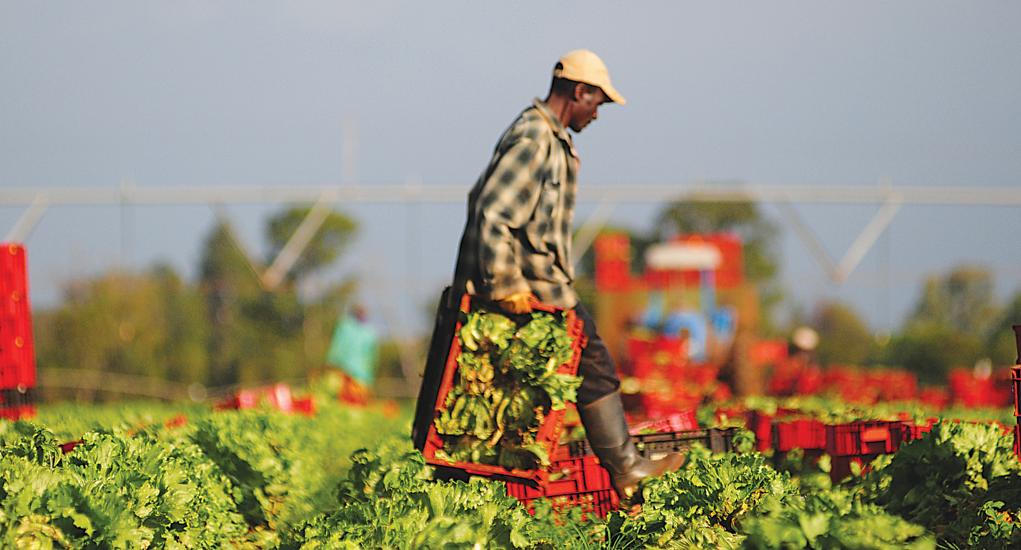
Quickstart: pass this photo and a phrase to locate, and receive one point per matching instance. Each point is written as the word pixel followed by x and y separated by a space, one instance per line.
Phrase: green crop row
pixel 348 478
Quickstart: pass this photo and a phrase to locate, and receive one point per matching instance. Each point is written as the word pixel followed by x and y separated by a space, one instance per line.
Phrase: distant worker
pixel 353 351
pixel 804 340
pixel 799 373
pixel 516 245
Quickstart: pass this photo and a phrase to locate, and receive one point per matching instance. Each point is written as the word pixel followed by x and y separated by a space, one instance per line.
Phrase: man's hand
pixel 517 303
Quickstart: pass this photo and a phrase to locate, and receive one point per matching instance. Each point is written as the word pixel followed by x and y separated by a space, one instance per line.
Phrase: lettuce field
pixel 160 476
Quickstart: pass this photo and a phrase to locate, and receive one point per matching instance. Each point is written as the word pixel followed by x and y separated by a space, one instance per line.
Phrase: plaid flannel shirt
pixel 520 211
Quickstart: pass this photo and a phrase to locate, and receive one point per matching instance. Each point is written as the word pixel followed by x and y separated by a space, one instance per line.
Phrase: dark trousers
pixel 597 369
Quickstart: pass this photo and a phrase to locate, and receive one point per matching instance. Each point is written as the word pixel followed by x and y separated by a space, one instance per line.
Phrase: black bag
pixel 439 347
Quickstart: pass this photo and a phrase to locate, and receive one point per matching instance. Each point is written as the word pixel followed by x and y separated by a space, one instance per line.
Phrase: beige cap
pixel 585 66
pixel 805 338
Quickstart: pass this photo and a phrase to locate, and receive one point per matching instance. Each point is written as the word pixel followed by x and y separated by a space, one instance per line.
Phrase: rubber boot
pixel 610 440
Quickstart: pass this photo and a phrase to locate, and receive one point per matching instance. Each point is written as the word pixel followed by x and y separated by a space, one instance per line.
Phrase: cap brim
pixel 613 94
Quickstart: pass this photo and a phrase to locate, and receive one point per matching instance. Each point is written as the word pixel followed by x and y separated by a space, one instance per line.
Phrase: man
pixel 353 351
pixel 516 245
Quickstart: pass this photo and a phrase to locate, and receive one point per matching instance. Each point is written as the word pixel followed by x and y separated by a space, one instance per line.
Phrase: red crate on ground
pixel 549 432
pixel 676 422
pixel 1017 441
pixel 912 431
pixel 761 424
pixel 573 482
pixel 937 398
pixel 566 476
pixel 863 438
pixel 840 466
pixel 973 391
pixel 656 445
pixel 17 403
pixel 17 353
pixel 277 396
pixel 598 503
pixel 802 433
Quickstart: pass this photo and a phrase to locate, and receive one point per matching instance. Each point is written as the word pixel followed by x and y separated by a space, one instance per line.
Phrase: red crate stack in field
pixel 913 431
pixel 1017 442
pixel 972 390
pixel 664 381
pixel 857 385
pixel 573 482
pixel 801 433
pixel 655 445
pixel 17 353
pixel 864 437
pixel 860 442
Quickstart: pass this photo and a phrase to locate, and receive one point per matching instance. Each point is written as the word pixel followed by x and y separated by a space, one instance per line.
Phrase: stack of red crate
pixel 17 354
pixel 856 385
pixel 667 381
pixel 913 431
pixel 934 397
pixel 973 391
pixel 577 479
pixel 807 434
pixel 860 442
pixel 572 482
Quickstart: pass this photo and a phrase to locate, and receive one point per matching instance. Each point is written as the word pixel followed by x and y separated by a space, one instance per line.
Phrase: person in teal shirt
pixel 354 349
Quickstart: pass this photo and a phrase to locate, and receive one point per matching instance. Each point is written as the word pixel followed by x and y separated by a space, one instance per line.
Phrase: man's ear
pixel 580 90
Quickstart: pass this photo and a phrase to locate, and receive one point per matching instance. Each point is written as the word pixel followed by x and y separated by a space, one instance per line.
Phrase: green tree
pixel 962 300
pixel 1001 344
pixel 335 233
pixel 228 284
pixel 950 326
pixel 843 337
pixel 259 335
pixel 930 350
pixel 147 324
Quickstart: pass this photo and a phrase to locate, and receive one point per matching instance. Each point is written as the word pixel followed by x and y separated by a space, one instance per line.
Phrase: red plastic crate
pixel 863 438
pixel 912 431
pixel 1015 384
pixel 566 476
pixel 549 431
pixel 840 466
pixel 761 424
pixel 598 503
pixel 802 433
pixel 676 422
pixel 70 445
pixel 277 396
pixel 656 445
pixel 16 404
pixel 1017 440
pixel 573 482
pixel 17 353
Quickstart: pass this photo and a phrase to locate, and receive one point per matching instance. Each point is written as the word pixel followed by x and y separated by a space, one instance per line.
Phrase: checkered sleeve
pixel 506 203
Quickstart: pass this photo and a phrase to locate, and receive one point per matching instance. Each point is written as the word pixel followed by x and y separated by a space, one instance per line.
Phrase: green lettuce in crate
pixel 506 383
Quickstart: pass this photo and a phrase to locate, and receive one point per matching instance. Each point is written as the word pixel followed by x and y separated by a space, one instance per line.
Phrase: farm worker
pixel 516 246
pixel 799 372
pixel 353 351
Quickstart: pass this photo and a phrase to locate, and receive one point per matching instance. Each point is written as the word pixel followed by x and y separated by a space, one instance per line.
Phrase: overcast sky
pixel 246 92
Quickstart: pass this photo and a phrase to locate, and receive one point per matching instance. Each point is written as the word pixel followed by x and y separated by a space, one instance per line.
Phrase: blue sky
pixel 212 93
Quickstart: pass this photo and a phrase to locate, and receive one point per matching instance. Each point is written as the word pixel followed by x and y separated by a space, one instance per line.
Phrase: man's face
pixel 585 107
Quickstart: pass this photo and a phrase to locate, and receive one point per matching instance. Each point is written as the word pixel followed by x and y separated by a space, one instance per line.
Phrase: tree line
pixel 226 328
